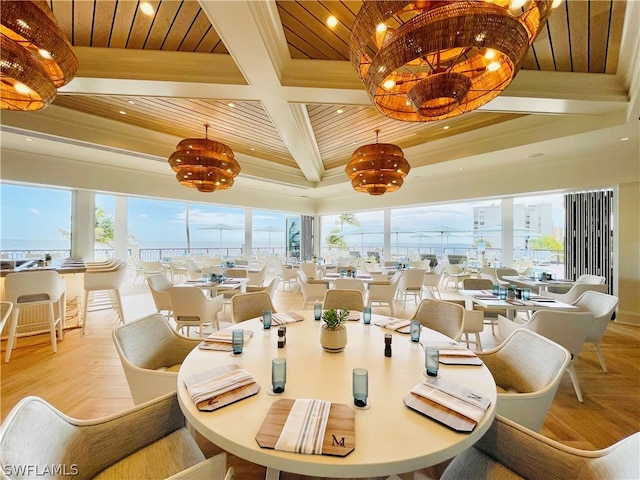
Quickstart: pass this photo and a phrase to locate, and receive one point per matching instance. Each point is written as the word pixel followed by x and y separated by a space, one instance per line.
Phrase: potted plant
pixel 333 336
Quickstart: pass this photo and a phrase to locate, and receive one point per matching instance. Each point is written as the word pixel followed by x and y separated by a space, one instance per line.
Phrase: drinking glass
pixel 526 294
pixel 278 374
pixel 431 361
pixel 496 290
pixel 360 387
pixel 366 315
pixel 237 340
pixel 414 330
pixel 266 319
pixel 503 293
pixel 317 311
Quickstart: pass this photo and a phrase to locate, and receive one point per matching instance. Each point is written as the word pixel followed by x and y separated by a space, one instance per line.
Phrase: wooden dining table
pixel 390 437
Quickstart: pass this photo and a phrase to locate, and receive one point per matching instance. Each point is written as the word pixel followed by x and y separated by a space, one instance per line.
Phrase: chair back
pixel 310 269
pixel 249 305
pixel 477 284
pixel 343 299
pixel 602 306
pixel 272 287
pixel 432 279
pixel 444 317
pixel 44 286
pixel 189 304
pixel 592 279
pixel 349 284
pixel 568 329
pixel 411 279
pixel 151 268
pixel 159 288
pixel 508 272
pixel 5 311
pixel 257 277
pixel 236 273
pixel 109 279
pixel 576 290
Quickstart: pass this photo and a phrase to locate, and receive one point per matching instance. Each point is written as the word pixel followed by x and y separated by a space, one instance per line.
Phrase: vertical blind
pixel 589 235
pixel 306 240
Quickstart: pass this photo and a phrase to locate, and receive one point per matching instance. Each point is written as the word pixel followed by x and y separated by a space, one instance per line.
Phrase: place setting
pixel 221 386
pixel 223 340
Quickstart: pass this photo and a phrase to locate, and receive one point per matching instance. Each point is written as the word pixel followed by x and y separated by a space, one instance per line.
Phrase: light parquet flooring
pixel 85 378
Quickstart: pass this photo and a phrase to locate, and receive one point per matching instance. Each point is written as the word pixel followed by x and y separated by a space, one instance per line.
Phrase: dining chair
pixel 490 315
pixel 411 285
pixel 102 290
pixel 431 281
pixel 151 268
pixel 444 317
pixel 602 306
pixel 192 308
pixel 5 313
pixel 473 323
pixel 151 353
pixel 245 306
pixel 453 273
pixel 576 290
pixel 38 289
pixel 159 288
pixel 310 269
pixel 527 368
pixel 150 440
pixel 257 278
pixel 270 288
pixel 350 284
pixel 384 293
pixel 505 272
pixel 312 290
pixel 509 450
pixel 194 272
pixel 591 279
pixel 287 275
pixel 351 300
pixel 568 329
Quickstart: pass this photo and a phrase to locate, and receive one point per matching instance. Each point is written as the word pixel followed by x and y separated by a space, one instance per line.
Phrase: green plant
pixel 334 318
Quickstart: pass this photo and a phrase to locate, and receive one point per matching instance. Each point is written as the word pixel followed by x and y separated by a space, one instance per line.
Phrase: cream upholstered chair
pixel 310 269
pixel 245 306
pixel 5 312
pixel 257 277
pixel 351 300
pixel 444 317
pixel 384 293
pixel 490 316
pixel 576 290
pixel 602 306
pixel 287 275
pixel 527 369
pixel 473 323
pixel 568 329
pixel 411 284
pixel 146 441
pixel 159 288
pixel 312 290
pixel 350 284
pixel 151 268
pixel 477 284
pixel 511 451
pixel 192 308
pixel 432 282
pixel 505 272
pixel 102 290
pixel 591 279
pixel 151 353
pixel 42 288
pixel 270 288
pixel 194 272
pixel 453 273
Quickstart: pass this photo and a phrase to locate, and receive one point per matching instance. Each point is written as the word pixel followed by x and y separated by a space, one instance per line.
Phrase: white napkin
pixel 215 386
pixel 283 318
pixel 394 324
pixel 447 398
pixel 226 335
pixel 304 430
pixel 353 315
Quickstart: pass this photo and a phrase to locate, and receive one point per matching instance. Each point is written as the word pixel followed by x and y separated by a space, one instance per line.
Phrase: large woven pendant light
pixel 430 60
pixel 35 57
pixel 377 168
pixel 204 164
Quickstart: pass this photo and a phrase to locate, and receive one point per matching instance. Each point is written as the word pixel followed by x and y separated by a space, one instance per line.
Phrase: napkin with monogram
pixel 305 427
pixel 395 324
pixel 282 318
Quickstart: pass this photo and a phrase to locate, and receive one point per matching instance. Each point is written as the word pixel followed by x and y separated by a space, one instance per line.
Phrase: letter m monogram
pixel 335 441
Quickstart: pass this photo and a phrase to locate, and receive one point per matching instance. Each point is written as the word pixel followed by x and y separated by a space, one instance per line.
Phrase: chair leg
pixel 574 380
pixel 478 342
pixel 600 357
pixel 272 474
pixel 12 333
pixel 52 327
pixel 85 305
pixel 118 304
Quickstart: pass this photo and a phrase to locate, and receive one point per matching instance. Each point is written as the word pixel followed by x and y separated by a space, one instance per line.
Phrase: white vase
pixel 333 341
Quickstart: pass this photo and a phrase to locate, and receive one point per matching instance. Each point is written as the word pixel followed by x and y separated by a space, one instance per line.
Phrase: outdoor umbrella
pixel 221 227
pixel 269 229
pixel 444 231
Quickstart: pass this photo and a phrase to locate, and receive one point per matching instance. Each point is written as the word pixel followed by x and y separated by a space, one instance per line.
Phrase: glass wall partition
pixel 353 235
pixel 216 231
pixel 35 222
pixel 269 233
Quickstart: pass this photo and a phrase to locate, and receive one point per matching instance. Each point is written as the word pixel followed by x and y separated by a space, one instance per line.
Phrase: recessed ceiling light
pixel 446 127
pixel 29 139
pixel 122 112
pixel 536 155
pixel 338 111
pixel 147 8
pixel 131 102
pixel 231 104
pixel 253 149
pixel 332 21
pixel 624 139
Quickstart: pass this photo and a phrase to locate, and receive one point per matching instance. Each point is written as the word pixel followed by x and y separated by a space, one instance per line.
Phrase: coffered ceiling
pixel 274 83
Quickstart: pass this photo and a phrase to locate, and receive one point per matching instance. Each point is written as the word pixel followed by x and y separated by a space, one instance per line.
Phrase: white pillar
pixel 121 228
pixel 83 222
pixel 507 231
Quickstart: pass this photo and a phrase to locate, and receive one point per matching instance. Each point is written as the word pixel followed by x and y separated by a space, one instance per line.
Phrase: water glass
pixel 360 387
pixel 278 374
pixel 317 311
pixel 503 293
pixel 526 294
pixel 414 330
pixel 431 361
pixel 237 340
pixel 266 319
pixel 366 315
pixel 496 290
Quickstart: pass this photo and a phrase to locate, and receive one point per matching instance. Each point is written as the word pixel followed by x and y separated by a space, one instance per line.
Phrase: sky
pixel 31 213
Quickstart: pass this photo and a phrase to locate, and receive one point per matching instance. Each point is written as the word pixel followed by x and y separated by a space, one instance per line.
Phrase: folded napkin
pixel 222 339
pixel 353 316
pixel 205 391
pixel 304 430
pixel 228 282
pixel 486 297
pixel 455 351
pixel 285 317
pixel 395 324
pixel 459 399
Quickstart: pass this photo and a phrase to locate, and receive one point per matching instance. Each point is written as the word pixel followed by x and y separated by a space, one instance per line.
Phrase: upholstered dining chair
pixel 477 284
pixel 568 329
pixel 102 290
pixel 37 289
pixel 384 293
pixel 147 441
pixel 351 300
pixel 576 290
pixel 151 353
pixel 528 369
pixel 490 316
pixel 431 282
pixel 411 285
pixel 310 269
pixel 602 306
pixel 444 317
pixel 350 284
pixel 159 288
pixel 453 273
pixel 505 272
pixel 245 306
pixel 192 308
pixel 511 451
pixel 287 275
pixel 312 290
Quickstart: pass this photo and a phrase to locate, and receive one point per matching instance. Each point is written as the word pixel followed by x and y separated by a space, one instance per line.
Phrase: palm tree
pixel 335 239
pixel 349 219
pixel 104 229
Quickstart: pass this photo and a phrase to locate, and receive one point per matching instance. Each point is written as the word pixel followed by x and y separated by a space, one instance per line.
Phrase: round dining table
pixel 389 436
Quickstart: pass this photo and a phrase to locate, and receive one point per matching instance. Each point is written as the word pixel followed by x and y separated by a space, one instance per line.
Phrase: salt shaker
pixel 387 344
pixel 281 337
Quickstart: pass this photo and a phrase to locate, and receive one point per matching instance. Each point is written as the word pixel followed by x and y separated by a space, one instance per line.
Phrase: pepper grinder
pixel 281 337
pixel 387 344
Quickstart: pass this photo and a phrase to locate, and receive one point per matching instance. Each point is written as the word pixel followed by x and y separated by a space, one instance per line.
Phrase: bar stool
pixel 108 282
pixel 29 289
